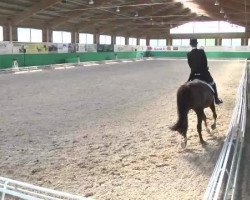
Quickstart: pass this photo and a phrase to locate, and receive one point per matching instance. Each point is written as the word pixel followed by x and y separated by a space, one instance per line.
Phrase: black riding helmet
pixel 193 42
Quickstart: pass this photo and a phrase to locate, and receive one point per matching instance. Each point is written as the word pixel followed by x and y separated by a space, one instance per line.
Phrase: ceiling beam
pixel 117 23
pixel 63 19
pixel 126 12
pixel 236 5
pixel 77 13
pixel 32 10
pixel 160 26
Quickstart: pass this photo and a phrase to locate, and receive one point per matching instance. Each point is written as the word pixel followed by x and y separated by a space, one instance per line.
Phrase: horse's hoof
pixel 213 126
pixel 203 143
pixel 184 143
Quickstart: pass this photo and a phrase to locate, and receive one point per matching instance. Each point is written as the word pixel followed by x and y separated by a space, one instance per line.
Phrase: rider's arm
pixel 204 60
pixel 189 63
pixel 190 77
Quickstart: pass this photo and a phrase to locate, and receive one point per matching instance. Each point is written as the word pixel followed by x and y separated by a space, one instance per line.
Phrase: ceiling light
pixel 91 2
pixel 151 18
pixel 217 3
pixel 117 9
pixel 225 16
pixel 221 10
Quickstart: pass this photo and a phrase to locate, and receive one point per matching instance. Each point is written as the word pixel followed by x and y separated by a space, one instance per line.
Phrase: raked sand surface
pixel 103 131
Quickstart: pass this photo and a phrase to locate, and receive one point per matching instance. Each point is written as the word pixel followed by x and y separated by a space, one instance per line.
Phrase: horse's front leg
pixel 212 107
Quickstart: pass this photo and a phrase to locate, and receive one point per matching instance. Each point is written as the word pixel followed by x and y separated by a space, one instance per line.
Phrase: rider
pixel 197 61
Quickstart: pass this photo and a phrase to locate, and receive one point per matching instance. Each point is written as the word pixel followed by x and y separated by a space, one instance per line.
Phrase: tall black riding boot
pixel 216 99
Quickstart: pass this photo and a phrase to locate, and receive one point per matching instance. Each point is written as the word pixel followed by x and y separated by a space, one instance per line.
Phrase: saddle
pixel 206 84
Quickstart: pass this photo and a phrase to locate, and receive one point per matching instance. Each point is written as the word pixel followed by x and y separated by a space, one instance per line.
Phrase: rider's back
pixel 197 61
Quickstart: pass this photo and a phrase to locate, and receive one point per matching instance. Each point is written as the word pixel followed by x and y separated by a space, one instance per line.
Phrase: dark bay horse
pixel 195 95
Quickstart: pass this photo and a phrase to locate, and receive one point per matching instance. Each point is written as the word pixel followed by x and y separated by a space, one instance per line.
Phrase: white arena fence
pixel 11 189
pixel 223 182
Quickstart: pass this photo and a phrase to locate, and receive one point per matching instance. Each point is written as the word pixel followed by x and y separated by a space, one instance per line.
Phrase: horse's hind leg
pixel 204 118
pixel 184 143
pixel 199 125
pixel 213 126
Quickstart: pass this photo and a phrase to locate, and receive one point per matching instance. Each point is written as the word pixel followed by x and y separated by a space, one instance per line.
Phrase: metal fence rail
pixel 223 182
pixel 16 189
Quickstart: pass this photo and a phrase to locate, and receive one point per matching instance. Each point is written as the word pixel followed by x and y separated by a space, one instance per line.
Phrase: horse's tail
pixel 183 100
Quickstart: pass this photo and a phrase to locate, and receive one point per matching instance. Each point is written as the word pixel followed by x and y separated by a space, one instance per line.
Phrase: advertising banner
pixel 184 48
pixel 80 48
pixel 124 48
pixel 18 48
pixel 86 47
pixel 62 48
pixel 91 47
pixel 105 48
pixel 6 47
pixel 157 48
pixel 36 48
pixel 52 48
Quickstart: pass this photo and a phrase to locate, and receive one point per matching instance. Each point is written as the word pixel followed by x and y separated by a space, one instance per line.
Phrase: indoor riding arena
pixel 87 105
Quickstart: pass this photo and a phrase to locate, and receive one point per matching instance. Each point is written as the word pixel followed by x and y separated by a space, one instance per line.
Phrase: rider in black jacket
pixel 197 61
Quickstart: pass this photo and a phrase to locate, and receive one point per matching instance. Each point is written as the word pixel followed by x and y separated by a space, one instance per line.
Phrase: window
pixel 29 35
pixel 207 27
pixel 226 42
pixel 143 42
pixel 201 42
pixel 23 34
pixel 120 40
pixel 153 42
pixel 236 42
pixel 36 35
pixel 158 42
pixel 206 42
pixel 210 42
pixel 105 39
pixel 176 42
pixel 180 42
pixel 162 42
pixel 1 33
pixel 132 41
pixel 231 42
pixel 61 37
pixel 185 42
pixel 86 38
